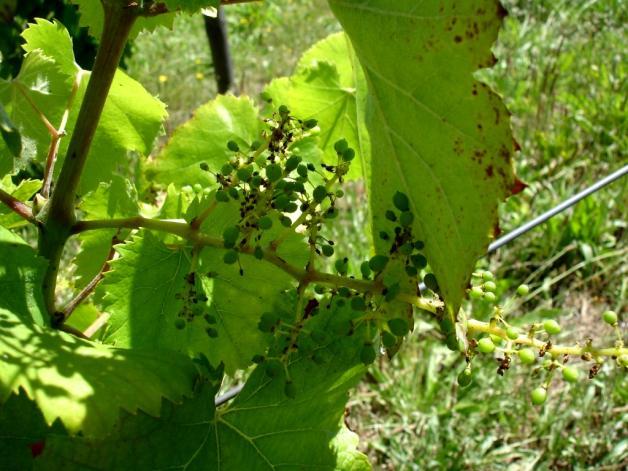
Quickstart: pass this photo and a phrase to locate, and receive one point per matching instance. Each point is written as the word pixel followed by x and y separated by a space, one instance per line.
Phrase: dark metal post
pixel 216 29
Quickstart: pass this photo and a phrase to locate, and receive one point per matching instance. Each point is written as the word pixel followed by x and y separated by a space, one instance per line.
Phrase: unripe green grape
pixel 290 390
pixel 230 236
pixel 302 171
pixel 388 340
pixel 258 253
pixel 273 172
pixel 358 304
pixel 244 173
pixel 226 169
pixel 523 290
pixel 233 192
pixel 547 364
pixel 340 193
pixel 233 146
pixel 327 250
pixel 526 356
pixel 490 297
pixel 366 270
pixel 486 345
pixel 512 333
pixel 342 327
pixel 292 163
pixel 331 213
pixel 198 188
pixel 497 340
pixel 401 201
pixel 344 292
pixel 489 286
pixel 476 293
pixel 204 166
pixel 310 123
pixel 431 282
pixel 378 263
pixel 285 221
pixel 538 395
pixel 623 361
pixel 571 374
pixel 265 223
pixel 393 291
pixel 398 326
pixel 406 219
pixel 551 327
pixel 348 155
pixel 419 261
pixel 222 196
pixel 367 354
pixel 341 266
pixel 390 215
pixel 384 235
pixel 487 276
pixel 319 194
pixel 230 257
pixel 465 378
pixel 406 249
pixel 411 271
pixel 179 324
pixel 284 110
pixel 341 146
pixel 213 333
pixel 610 317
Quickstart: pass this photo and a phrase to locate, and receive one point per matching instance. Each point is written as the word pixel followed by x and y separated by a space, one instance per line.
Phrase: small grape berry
pixel 486 345
pixel 512 333
pixel 523 290
pixel 610 317
pixel 571 374
pixel 551 327
pixel 538 396
pixel 526 356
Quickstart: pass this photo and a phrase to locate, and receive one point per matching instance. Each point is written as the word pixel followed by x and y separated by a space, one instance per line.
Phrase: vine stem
pixel 58 215
pixel 184 230
pixel 305 277
pixel 486 328
pixel 17 206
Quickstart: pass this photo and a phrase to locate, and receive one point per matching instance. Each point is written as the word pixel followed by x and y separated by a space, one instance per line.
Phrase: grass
pixel 562 73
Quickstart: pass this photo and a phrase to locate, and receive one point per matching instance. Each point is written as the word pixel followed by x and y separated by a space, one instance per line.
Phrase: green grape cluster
pixel 194 306
pixel 504 342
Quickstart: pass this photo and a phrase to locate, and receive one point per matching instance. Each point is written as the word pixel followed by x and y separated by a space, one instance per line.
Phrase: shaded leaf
pixel 85 384
pixel 437 134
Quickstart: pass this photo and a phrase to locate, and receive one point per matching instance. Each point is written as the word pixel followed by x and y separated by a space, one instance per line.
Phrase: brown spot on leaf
pixel 458 39
pixel 497 231
pixel 518 187
pixel 489 171
pixel 501 11
pixel 516 145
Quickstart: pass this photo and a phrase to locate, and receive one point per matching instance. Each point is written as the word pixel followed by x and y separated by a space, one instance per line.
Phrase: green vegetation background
pixel 562 73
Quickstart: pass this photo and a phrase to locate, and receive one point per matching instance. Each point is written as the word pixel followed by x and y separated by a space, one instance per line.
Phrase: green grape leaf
pixel 40 85
pixel 329 86
pixel 348 457
pixel 131 118
pixel 117 199
pixel 92 17
pixel 85 384
pixel 204 139
pixel 140 294
pixel 21 278
pixel 23 192
pixel 191 6
pixel 12 140
pixel 23 431
pixel 436 133
pixel 54 41
pixel 131 121
pixel 249 434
